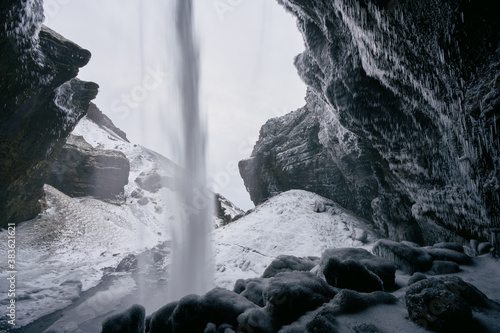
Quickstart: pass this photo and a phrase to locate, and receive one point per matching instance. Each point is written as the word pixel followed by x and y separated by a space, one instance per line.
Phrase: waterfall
pixel 190 270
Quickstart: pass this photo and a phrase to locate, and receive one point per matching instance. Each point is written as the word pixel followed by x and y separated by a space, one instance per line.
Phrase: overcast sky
pixel 247 74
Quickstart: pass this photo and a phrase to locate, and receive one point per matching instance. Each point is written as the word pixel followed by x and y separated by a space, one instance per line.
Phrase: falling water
pixel 190 270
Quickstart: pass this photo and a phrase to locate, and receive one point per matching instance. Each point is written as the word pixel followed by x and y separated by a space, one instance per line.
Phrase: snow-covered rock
pixel 286 224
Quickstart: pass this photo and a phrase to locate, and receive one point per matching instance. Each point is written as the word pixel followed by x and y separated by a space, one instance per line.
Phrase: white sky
pixel 246 50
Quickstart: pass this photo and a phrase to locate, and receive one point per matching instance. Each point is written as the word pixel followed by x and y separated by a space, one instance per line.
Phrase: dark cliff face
pixel 402 116
pixel 82 170
pixel 41 101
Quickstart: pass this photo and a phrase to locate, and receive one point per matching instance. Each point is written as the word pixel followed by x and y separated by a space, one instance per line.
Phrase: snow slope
pixel 295 223
pixel 75 241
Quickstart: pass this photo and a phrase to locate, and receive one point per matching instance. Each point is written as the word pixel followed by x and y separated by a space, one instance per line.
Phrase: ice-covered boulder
pixel 159 321
pixel 484 247
pixel 451 246
pixel 383 268
pixel 320 320
pixel 351 274
pixel 443 267
pixel 286 263
pixel 252 289
pixel 350 301
pixel 449 255
pixel 417 276
pixel 291 294
pixel 193 313
pixel 446 304
pixel 130 321
pixel 408 258
pixel 431 305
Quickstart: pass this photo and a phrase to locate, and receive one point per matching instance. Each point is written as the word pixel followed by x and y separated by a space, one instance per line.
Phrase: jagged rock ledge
pixel 41 103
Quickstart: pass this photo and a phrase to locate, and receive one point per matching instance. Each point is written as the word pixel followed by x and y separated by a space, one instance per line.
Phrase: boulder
pixel 318 321
pixel 287 263
pixel 130 321
pixel 432 305
pixel 407 258
pixel 450 246
pixel 218 306
pixel 484 248
pixel 159 321
pixel 350 301
pixel 351 274
pixel 257 320
pixel 152 181
pixel 252 289
pixel 417 276
pixel 383 268
pixel 443 267
pixel 449 255
pixel 291 294
pixel 82 170
pixel 445 304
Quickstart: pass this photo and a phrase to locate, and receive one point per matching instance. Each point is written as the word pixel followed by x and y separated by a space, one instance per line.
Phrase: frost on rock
pixel 356 269
pixel 22 27
pixel 285 263
pixel 350 301
pixel 131 321
pixel 408 258
pixel 193 313
pixel 291 294
pixel 439 306
pixel 411 87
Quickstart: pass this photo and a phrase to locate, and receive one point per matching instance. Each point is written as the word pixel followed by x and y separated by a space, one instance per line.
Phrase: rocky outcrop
pixel 225 211
pixel 41 103
pixel 82 170
pixel 402 116
pixel 96 115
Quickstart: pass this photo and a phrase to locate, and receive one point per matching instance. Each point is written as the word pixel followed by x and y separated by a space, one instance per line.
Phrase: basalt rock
pixel 82 170
pixel 41 103
pixel 402 116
